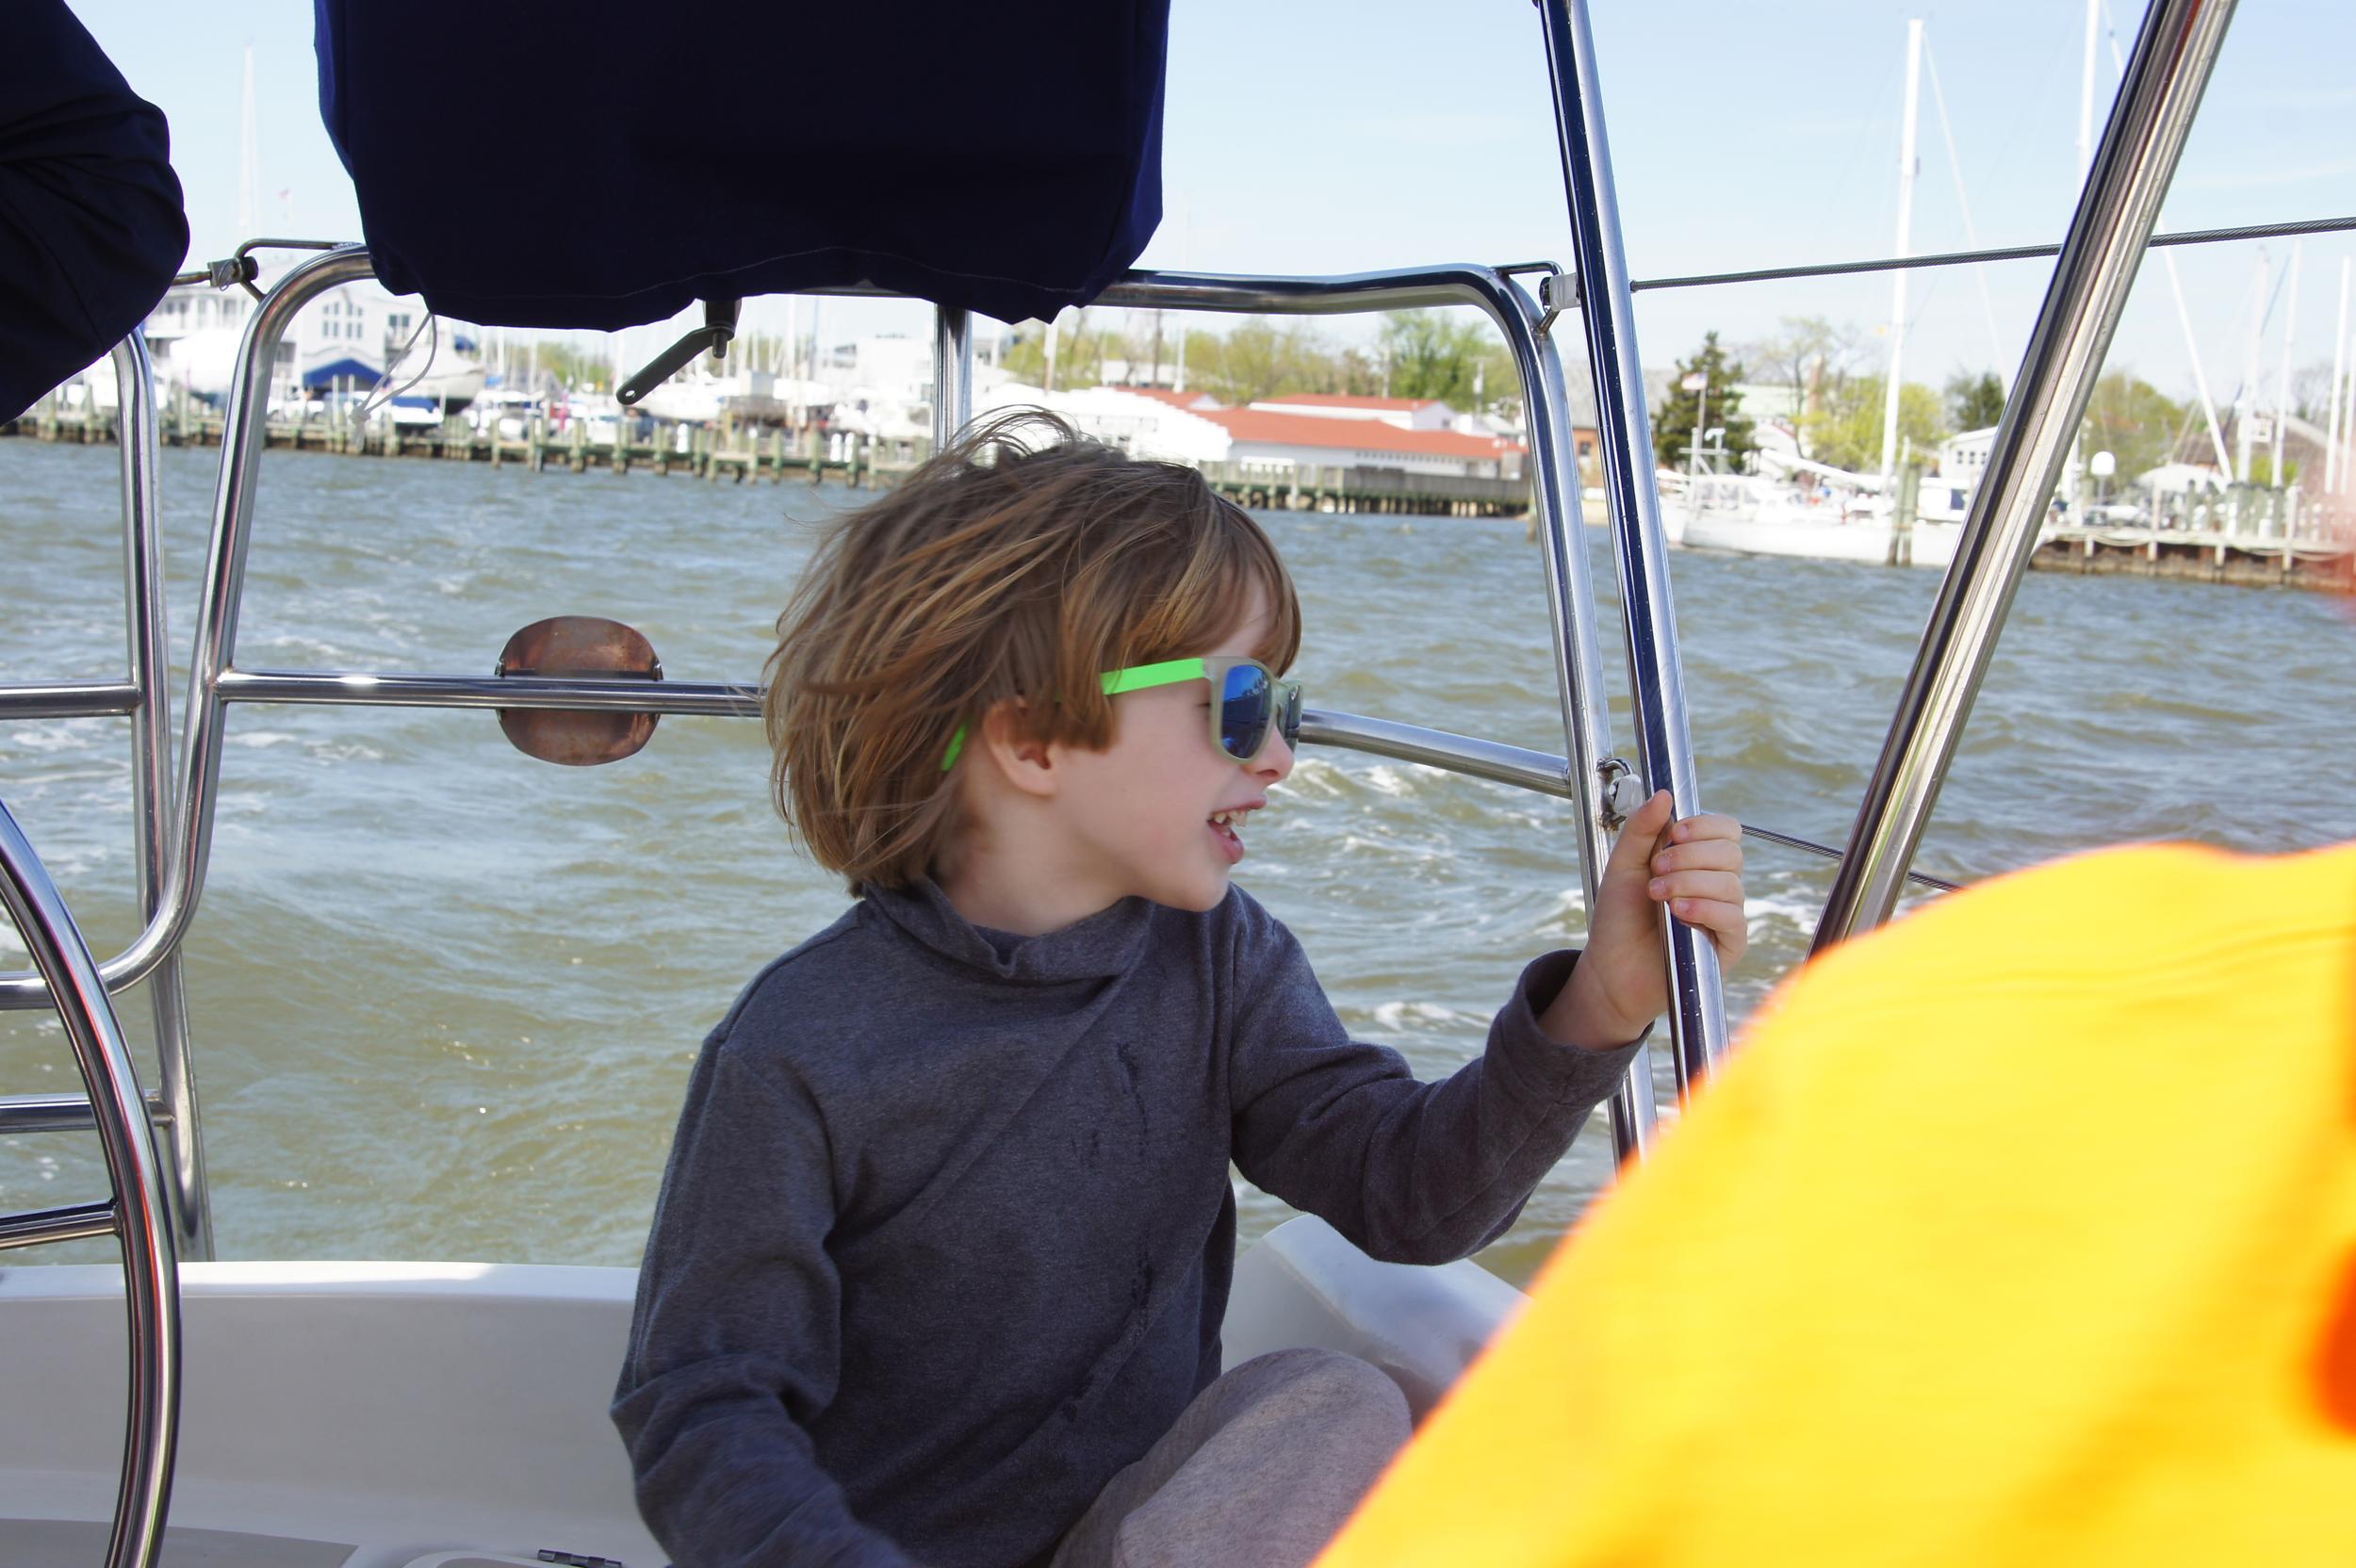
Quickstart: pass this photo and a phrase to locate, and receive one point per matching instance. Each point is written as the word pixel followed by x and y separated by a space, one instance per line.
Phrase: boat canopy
pixel 357 371
pixel 585 167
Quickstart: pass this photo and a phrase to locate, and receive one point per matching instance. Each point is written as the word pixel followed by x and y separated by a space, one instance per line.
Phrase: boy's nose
pixel 1275 761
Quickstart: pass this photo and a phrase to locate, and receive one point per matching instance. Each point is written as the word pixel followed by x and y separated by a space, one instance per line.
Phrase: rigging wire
pixel 2010 252
pixel 2176 288
pixel 378 397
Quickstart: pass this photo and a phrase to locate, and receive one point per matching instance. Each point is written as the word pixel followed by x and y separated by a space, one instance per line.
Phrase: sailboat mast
pixel 249 156
pixel 2331 475
pixel 2245 404
pixel 2086 92
pixel 2282 380
pixel 1906 228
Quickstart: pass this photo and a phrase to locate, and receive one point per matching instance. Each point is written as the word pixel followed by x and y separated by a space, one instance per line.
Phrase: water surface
pixel 446 997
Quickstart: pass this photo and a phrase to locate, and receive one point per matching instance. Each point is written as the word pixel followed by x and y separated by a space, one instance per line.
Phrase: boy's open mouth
pixel 1223 824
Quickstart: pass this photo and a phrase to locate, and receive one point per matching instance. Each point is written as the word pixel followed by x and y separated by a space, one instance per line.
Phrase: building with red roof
pixel 1261 437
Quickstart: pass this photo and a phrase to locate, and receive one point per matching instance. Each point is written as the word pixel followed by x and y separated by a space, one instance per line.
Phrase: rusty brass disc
pixel 578 647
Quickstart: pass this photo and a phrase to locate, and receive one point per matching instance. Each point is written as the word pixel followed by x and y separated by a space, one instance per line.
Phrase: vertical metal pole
pixel 150 647
pixel 1577 665
pixel 2165 78
pixel 953 374
pixel 1697 1016
pixel 243 434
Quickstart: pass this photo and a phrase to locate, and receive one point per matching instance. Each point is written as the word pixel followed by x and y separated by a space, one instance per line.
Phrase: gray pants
pixel 1260 1471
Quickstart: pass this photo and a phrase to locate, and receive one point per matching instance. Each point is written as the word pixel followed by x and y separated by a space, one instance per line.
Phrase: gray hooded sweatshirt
pixel 946 1234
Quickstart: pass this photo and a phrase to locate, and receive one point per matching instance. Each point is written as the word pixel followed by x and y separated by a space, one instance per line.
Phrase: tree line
pixel 1457 357
pixel 1840 400
pixel 1450 355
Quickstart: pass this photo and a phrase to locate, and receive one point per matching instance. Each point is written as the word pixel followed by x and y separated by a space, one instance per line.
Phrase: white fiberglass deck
pixel 449 1415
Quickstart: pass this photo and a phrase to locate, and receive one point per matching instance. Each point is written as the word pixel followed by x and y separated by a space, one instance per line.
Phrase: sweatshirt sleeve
pixel 735 1345
pixel 1411 1172
pixel 91 228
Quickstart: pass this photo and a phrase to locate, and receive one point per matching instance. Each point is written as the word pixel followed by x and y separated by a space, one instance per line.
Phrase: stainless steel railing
pixel 146 699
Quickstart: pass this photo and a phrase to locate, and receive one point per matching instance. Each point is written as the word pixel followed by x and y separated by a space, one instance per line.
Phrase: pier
pixel 762 453
pixel 2257 551
pixel 2252 559
pixel 1381 491
pixel 702 451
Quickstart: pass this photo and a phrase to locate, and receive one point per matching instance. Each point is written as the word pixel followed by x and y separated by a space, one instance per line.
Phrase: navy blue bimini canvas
pixel 588 163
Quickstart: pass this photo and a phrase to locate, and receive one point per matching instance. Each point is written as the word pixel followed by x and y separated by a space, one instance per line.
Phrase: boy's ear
pixel 1022 758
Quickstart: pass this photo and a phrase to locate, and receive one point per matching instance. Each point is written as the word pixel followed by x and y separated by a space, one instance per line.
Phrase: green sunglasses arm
pixel 1137 677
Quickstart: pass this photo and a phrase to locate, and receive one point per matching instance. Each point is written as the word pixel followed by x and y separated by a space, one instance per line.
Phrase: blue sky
pixel 1315 135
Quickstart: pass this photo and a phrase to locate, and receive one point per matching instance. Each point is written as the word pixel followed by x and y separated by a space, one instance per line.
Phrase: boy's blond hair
pixel 1020 563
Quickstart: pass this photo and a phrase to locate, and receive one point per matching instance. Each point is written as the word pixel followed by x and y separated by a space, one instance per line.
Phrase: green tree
pixel 1080 345
pixel 1845 427
pixel 1251 363
pixel 569 362
pixel 1975 403
pixel 1433 354
pixel 2134 422
pixel 1810 355
pixel 1673 426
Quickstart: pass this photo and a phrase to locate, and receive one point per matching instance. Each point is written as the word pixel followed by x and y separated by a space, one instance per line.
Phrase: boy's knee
pixel 1332 1386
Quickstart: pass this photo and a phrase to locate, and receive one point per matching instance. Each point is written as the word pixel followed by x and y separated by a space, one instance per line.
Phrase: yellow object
pixel 2020 1232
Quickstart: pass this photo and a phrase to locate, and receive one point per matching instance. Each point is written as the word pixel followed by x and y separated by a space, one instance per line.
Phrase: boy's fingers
pixel 1715 886
pixel 1701 854
pixel 1724 922
pixel 1709 825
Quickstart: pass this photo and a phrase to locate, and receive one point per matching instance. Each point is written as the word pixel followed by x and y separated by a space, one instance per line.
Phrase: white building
pixel 347 335
pixel 1963 457
pixel 1142 421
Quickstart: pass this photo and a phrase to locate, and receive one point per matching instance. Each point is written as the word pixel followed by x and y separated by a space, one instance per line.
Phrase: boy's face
pixel 1140 812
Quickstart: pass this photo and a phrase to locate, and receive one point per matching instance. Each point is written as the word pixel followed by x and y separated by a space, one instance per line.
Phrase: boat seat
pixel 79 1543
pixel 1304 1284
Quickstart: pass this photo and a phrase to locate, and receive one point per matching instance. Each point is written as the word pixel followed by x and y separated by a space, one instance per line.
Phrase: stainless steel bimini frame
pixel 1587 774
pixel 2165 78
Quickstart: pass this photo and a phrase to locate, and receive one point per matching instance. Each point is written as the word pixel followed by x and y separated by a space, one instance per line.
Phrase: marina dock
pixel 702 451
pixel 767 453
pixel 2251 560
pixel 2257 556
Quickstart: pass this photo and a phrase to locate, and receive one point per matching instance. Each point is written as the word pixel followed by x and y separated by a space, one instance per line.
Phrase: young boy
pixel 940 1264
